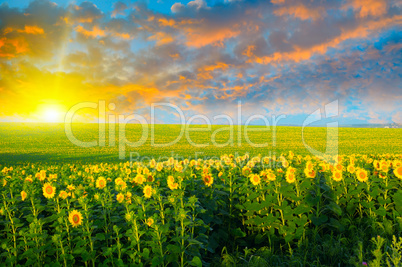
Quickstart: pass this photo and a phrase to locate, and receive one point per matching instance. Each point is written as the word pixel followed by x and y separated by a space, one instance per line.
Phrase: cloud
pixel 191 6
pixel 95 32
pixel 300 12
pixel 397 117
pixel 119 8
pixel 277 57
pixel 364 8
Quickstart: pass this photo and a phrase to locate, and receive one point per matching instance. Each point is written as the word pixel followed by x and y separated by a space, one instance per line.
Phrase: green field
pixel 37 142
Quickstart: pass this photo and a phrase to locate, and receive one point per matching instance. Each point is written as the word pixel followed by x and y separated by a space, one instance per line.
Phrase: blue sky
pixel 278 57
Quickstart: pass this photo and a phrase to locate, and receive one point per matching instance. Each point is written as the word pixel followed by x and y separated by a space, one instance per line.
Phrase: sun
pixel 51 113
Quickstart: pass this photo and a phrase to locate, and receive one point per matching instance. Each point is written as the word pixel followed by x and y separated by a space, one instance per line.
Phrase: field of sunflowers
pixel 289 210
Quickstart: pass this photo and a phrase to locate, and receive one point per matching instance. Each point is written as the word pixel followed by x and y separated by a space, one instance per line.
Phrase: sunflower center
pixel 49 190
pixel 76 218
pixel 362 175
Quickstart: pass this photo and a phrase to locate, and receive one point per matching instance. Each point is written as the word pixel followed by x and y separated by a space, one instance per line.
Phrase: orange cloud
pixel 27 29
pixel 205 71
pixel 175 56
pixel 249 52
pixel 9 48
pixel 165 22
pixel 94 33
pixel 219 65
pixel 199 38
pixel 161 38
pixel 366 8
pixel 124 36
pixel 32 30
pixel 299 54
pixel 300 11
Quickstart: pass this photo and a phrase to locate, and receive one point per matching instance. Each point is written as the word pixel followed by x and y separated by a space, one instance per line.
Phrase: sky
pixel 277 58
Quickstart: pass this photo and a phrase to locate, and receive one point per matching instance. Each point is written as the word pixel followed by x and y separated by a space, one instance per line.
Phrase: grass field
pixel 37 142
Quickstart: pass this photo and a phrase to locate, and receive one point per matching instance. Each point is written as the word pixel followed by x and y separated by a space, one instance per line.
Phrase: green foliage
pixel 235 211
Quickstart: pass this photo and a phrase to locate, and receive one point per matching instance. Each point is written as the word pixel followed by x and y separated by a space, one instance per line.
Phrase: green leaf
pixel 145 253
pixel 193 242
pixel 100 236
pixel 173 249
pixel 238 233
pixel 317 221
pixel 196 262
pixel 335 208
pixel 381 211
pixel 157 261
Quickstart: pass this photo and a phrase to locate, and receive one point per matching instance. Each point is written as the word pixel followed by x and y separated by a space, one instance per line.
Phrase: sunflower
pixel 170 179
pixel 285 163
pixel 23 195
pixel 101 182
pixel 42 175
pixel 152 163
pixel 309 166
pixel 337 176
pixel 118 181
pixel 139 179
pixel 128 216
pixel 271 176
pixel 398 172
pixel 71 187
pixel 128 197
pixel 150 178
pixel 159 166
pixel 150 222
pixel 397 163
pixel 362 175
pixel 246 171
pixel 208 179
pixel 323 167
pixel 122 185
pixel 48 190
pixel 147 191
pixel 384 168
pixel 29 179
pixel 351 169
pixel 173 185
pixel 255 179
pixel 178 168
pixel 309 173
pixel 339 167
pixel 382 175
pixel 75 218
pixel 96 196
pixel 63 194
pixel 120 197
pixel 291 170
pixel 290 177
